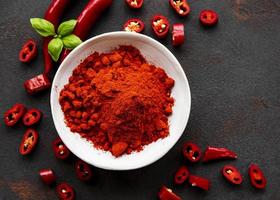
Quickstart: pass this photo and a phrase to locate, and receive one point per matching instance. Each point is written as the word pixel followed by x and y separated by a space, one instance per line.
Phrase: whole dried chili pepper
pixel 180 6
pixel 191 152
pixel 37 84
pixel 28 51
pixel 178 34
pixel 232 174
pixel 83 171
pixel 60 150
pixel 31 117
pixel 257 177
pixel 13 115
pixel 208 17
pixel 181 175
pixel 167 194
pixel 29 141
pixel 135 4
pixel 160 26
pixel 199 182
pixel 47 176
pixel 214 153
pixel 65 191
pixel 134 25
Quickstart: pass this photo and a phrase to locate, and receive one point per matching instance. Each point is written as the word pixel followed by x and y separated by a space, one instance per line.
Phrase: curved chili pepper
pixel 178 34
pixel 47 176
pixel 208 17
pixel 37 84
pixel 181 175
pixel 160 26
pixel 28 51
pixel 83 171
pixel 65 191
pixel 199 182
pixel 29 141
pixel 14 114
pixel 191 152
pixel 60 150
pixel 167 194
pixel 134 25
pixel 257 177
pixel 180 6
pixel 232 174
pixel 31 117
pixel 136 4
pixel 214 153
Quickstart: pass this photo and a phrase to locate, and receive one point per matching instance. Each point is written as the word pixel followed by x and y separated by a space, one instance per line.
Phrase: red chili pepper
pixel 136 4
pixel 31 117
pixel 199 182
pixel 14 114
pixel 28 51
pixel 191 152
pixel 167 194
pixel 180 6
pixel 160 25
pixel 181 175
pixel 60 150
pixel 208 17
pixel 214 153
pixel 232 174
pixel 257 177
pixel 65 191
pixel 134 25
pixel 178 34
pixel 29 141
pixel 37 84
pixel 47 176
pixel 83 171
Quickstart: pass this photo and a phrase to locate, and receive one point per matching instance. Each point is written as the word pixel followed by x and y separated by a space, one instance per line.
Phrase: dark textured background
pixel 234 75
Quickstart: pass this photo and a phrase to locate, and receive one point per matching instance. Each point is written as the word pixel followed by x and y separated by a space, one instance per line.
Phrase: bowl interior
pixel 155 53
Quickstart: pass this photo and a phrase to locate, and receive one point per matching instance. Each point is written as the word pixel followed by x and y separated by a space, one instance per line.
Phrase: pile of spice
pixel 118 101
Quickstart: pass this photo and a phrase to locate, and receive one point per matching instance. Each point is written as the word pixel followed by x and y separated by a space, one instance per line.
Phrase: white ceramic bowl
pixel 155 53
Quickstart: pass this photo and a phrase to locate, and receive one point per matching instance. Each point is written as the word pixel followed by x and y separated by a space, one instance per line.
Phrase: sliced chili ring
pixel 208 17
pixel 28 51
pixel 37 84
pixel 14 114
pixel 178 34
pixel 65 191
pixel 31 117
pixel 160 26
pixel 257 177
pixel 134 25
pixel 83 171
pixel 47 176
pixel 29 141
pixel 60 149
pixel 180 6
pixel 191 152
pixel 232 174
pixel 167 194
pixel 199 182
pixel 181 175
pixel 136 4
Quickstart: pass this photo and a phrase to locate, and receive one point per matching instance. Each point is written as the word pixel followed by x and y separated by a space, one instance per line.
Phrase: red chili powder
pixel 118 101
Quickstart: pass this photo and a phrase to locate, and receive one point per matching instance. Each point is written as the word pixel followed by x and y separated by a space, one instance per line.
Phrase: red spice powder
pixel 118 101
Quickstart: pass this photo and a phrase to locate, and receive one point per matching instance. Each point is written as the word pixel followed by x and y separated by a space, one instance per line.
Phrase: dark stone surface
pixel 234 75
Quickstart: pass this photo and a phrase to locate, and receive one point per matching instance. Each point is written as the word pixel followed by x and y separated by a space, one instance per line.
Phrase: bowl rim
pixel 158 45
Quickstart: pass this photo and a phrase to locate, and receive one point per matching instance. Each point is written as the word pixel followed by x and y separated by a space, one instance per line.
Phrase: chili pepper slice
pixel 199 182
pixel 47 176
pixel 37 84
pixel 29 141
pixel 180 6
pixel 191 152
pixel 65 191
pixel 178 34
pixel 208 17
pixel 136 4
pixel 134 25
pixel 60 150
pixel 214 153
pixel 181 175
pixel 28 51
pixel 232 174
pixel 14 114
pixel 160 26
pixel 257 177
pixel 31 117
pixel 167 194
pixel 83 171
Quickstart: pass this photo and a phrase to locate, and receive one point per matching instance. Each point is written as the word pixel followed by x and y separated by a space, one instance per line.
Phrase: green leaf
pixel 67 27
pixel 43 27
pixel 71 41
pixel 55 47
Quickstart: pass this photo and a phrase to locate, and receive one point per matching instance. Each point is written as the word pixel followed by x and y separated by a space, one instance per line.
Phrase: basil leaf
pixel 43 27
pixel 54 48
pixel 66 28
pixel 71 41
